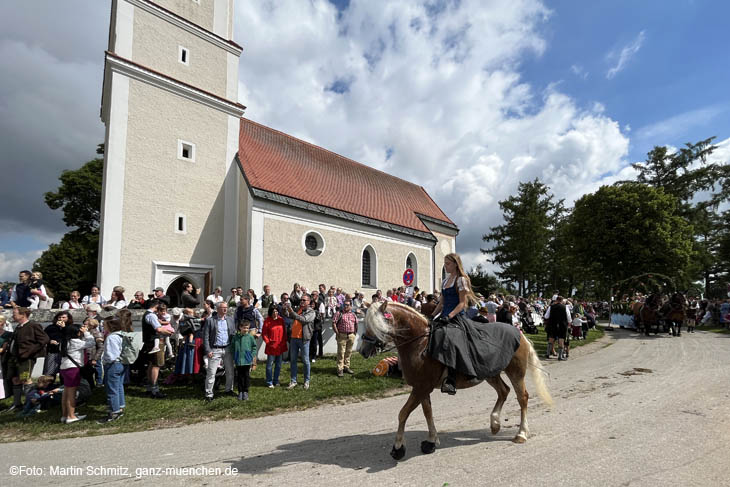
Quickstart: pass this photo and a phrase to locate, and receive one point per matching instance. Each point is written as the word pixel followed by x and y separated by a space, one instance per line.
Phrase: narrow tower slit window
pixel 181 224
pixel 183 55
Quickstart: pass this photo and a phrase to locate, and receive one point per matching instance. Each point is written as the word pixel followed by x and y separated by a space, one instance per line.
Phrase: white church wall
pixel 244 235
pixel 198 12
pixel 164 185
pixel 446 245
pixel 285 260
pixel 157 43
pixel 115 154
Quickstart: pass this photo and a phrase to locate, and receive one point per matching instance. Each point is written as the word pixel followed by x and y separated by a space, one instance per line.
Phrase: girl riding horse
pixel 409 331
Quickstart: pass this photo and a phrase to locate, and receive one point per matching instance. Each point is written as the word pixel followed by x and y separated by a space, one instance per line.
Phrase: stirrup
pixel 448 387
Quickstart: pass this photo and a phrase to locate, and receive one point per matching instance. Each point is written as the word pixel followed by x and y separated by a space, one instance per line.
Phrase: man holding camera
pixel 301 334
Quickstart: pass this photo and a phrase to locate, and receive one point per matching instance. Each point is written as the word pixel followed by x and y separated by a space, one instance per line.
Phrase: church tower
pixel 170 202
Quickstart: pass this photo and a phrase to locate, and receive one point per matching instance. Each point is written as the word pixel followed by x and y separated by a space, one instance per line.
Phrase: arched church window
pixel 369 266
pixel 412 263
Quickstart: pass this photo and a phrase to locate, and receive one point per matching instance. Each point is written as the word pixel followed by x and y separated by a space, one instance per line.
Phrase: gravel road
pixel 643 411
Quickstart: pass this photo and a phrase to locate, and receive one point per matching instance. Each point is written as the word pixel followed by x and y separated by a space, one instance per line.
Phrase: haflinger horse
pixel 408 330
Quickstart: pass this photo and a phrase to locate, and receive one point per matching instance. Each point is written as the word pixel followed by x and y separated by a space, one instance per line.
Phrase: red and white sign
pixel 408 277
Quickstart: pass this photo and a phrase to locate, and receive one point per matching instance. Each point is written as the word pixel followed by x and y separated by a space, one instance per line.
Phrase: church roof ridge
pixel 269 157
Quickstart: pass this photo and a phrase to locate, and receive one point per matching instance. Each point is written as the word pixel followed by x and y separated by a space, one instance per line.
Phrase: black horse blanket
pixel 477 350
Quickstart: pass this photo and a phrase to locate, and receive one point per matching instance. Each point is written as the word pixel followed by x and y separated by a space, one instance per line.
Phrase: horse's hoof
pixel 519 439
pixel 428 447
pixel 495 428
pixel 398 453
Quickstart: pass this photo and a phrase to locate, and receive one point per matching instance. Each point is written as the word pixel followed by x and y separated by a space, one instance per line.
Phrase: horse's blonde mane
pixel 380 326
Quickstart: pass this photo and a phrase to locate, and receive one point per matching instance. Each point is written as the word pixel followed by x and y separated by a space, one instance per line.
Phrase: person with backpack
pixel 119 350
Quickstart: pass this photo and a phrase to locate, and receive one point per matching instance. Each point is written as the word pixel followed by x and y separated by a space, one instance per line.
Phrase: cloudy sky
pixel 466 98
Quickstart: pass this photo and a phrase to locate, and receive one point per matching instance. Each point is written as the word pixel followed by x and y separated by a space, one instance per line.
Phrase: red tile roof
pixel 279 163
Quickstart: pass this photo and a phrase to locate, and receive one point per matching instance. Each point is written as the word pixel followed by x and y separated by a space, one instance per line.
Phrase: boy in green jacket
pixel 244 357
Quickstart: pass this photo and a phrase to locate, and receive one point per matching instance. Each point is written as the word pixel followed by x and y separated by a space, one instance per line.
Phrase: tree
pixel 482 281
pixel 621 231
pixel 683 174
pixel 71 263
pixel 520 244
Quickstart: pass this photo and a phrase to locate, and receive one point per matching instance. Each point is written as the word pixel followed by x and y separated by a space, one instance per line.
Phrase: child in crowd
pixel 165 326
pixel 576 327
pixel 92 324
pixel 330 303
pixel 173 339
pixel 42 388
pixel 244 357
pixel 36 284
pixel 76 340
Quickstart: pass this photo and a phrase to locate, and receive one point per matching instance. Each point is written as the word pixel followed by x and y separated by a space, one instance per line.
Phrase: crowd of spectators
pixel 220 338
pixel 216 338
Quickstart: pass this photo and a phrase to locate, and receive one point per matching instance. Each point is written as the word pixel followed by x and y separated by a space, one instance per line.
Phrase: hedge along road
pixel 644 411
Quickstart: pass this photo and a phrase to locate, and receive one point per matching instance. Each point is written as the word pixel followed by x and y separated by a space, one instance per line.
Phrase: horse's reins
pixel 407 341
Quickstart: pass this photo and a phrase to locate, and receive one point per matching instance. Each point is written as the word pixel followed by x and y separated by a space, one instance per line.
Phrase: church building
pixel 193 191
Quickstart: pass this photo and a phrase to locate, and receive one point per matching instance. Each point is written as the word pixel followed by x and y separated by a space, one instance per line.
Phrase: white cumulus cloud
pixel 431 95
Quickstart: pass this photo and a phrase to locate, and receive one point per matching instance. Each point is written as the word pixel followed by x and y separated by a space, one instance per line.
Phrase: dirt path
pixel 644 411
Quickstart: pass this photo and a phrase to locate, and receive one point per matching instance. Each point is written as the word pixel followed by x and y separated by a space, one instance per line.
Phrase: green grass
pixel 539 340
pixel 715 329
pixel 184 403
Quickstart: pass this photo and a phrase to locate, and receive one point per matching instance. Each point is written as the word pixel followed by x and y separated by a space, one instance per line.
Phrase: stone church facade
pixel 193 191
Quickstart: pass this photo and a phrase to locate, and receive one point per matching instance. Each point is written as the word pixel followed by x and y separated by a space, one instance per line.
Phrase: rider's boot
pixel 560 354
pixel 549 350
pixel 449 384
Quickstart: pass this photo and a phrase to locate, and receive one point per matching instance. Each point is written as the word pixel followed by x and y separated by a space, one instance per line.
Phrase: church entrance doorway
pixel 175 289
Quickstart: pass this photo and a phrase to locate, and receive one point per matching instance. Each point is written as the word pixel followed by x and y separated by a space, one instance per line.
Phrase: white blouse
pixel 460 283
pixel 90 299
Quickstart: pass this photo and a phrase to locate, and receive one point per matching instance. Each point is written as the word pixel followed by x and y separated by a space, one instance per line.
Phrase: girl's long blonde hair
pixel 470 296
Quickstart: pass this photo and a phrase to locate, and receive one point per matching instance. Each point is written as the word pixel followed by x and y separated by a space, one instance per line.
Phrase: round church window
pixel 313 243
pixel 310 242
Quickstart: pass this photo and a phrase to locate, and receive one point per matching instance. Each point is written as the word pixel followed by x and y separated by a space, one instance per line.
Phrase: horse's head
pixel 378 330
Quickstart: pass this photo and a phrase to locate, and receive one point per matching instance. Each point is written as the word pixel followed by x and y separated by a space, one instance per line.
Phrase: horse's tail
pixel 537 372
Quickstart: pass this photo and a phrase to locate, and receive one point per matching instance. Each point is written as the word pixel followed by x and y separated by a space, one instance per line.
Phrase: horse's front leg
pixel 399 450
pixel 429 446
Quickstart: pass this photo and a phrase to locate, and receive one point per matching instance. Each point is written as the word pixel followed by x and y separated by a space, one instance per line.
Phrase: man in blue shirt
pixel 218 333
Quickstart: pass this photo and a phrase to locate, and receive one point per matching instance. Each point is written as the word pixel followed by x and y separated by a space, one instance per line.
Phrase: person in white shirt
pixel 217 296
pixel 76 340
pixel 117 300
pixel 94 297
pixel 74 302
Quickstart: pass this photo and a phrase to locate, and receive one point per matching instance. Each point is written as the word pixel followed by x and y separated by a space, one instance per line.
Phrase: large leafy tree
pixel 684 174
pixel 621 231
pixel 71 263
pixel 520 245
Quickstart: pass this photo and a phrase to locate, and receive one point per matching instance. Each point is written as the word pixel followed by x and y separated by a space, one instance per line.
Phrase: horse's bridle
pixel 372 342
